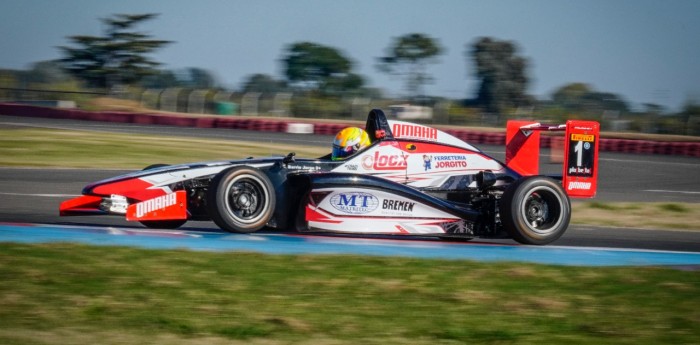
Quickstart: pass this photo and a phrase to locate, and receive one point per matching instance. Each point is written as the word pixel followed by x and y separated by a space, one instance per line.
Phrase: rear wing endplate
pixel 580 169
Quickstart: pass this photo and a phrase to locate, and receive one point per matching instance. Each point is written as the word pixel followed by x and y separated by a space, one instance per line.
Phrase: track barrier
pixel 688 148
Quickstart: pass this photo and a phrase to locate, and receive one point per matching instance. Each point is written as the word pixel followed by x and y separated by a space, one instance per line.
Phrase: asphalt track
pixel 31 196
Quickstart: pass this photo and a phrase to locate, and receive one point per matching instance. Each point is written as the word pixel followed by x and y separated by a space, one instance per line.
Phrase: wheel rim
pixel 541 210
pixel 246 199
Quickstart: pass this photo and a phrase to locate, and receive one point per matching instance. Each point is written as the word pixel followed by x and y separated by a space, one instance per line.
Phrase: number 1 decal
pixel 581 146
pixel 578 149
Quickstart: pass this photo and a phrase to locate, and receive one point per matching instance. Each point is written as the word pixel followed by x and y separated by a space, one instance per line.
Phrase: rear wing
pixel 580 168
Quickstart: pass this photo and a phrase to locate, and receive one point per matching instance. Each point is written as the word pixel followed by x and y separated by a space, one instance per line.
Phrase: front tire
pixel 535 210
pixel 241 199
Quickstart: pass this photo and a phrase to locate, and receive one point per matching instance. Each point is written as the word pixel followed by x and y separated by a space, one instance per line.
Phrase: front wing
pixel 169 206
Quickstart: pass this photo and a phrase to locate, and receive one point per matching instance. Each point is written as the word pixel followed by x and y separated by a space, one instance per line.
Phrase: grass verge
pixel 70 294
pixel 651 215
pixel 89 149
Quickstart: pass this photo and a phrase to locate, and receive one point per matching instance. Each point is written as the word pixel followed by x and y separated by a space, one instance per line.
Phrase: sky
pixel 646 51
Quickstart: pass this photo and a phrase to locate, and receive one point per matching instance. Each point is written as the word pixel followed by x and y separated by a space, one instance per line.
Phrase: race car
pixel 411 180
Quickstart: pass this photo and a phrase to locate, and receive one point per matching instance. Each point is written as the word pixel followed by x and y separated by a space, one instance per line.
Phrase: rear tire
pixel 241 199
pixel 535 210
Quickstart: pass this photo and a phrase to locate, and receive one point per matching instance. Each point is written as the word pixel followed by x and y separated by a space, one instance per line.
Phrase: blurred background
pixel 629 64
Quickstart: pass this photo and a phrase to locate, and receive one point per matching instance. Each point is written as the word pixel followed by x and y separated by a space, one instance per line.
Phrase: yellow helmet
pixel 348 141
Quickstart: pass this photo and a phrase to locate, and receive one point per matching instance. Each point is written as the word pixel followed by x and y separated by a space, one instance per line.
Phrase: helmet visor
pixel 341 152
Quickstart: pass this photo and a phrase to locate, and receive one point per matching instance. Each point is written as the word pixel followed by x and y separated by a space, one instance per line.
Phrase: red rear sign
pixel 581 158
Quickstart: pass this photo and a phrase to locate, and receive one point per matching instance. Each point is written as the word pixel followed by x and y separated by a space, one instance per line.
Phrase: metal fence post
pixel 195 101
pixel 281 103
pixel 168 99
pixel 249 103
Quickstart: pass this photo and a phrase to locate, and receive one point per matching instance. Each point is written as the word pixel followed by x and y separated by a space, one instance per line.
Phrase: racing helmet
pixel 348 141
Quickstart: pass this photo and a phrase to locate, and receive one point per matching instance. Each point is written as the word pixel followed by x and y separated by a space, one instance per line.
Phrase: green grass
pixel 69 294
pixel 601 206
pixel 612 206
pixel 676 216
pixel 88 149
pixel 676 208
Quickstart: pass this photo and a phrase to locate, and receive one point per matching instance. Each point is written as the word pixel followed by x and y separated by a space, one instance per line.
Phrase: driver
pixel 348 141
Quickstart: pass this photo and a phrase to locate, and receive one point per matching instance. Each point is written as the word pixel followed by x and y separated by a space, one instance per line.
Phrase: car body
pixel 412 180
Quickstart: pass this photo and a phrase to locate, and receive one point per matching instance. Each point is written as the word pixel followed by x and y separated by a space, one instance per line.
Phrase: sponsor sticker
pixel 582 137
pixel 304 167
pixel 380 161
pixel 367 162
pixel 427 162
pixel 398 205
pixel 155 204
pixel 444 162
pixel 354 202
pixel 164 207
pixel 402 130
pixel 453 164
pixel 578 185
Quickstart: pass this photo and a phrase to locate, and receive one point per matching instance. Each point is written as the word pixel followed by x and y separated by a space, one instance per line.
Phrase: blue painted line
pixel 296 244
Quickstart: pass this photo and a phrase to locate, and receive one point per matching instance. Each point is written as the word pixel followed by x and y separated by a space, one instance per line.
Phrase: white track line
pixel 42 195
pixel 670 191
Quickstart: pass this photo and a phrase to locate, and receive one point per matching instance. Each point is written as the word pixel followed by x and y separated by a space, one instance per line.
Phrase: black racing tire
pixel 163 224
pixel 535 210
pixel 241 199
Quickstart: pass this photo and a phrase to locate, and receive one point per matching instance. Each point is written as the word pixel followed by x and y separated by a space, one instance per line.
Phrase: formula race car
pixel 411 180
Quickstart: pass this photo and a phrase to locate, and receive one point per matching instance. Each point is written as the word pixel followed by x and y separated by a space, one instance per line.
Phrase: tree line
pixel 121 56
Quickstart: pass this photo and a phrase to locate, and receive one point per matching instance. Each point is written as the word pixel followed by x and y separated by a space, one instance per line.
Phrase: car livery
pixel 412 180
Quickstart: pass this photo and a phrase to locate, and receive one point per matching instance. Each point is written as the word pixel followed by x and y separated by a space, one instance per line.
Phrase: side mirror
pixel 289 158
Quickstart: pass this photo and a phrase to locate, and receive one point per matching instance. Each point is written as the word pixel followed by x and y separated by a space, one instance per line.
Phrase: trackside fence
pixel 607 144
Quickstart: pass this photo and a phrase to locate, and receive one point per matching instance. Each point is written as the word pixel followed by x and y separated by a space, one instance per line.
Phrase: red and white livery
pixel 412 180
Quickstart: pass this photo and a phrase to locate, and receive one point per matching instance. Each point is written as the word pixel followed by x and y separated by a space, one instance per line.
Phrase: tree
pixel 197 78
pixel 47 72
pixel 263 83
pixel 691 117
pixel 502 74
pixel 579 97
pixel 408 56
pixel 118 57
pixel 314 66
pixel 570 96
pixel 602 101
pixel 161 79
